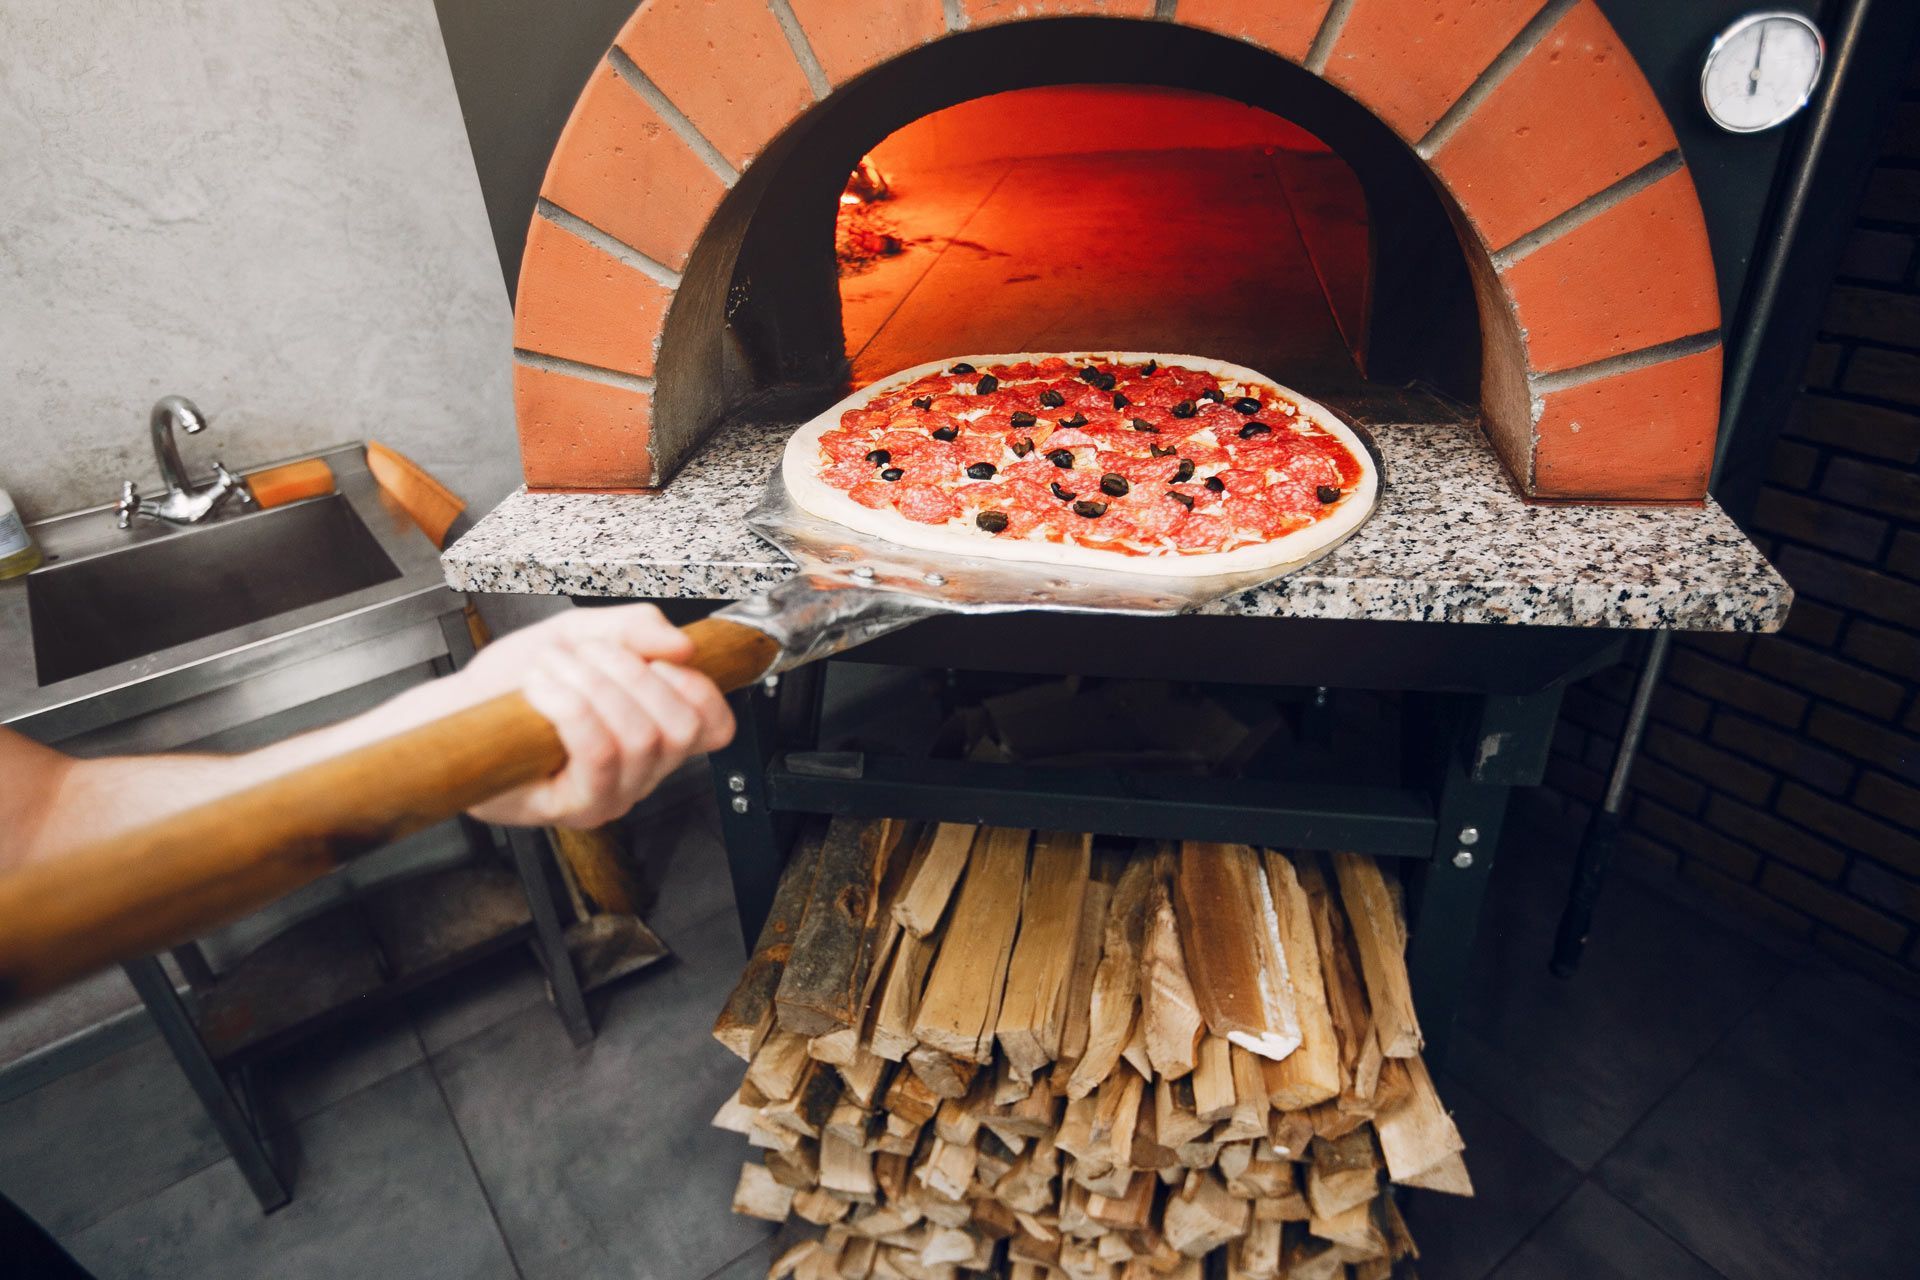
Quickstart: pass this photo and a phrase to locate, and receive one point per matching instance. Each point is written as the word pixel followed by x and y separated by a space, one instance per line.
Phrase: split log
pixel 825 982
pixel 776 1069
pixel 1342 1173
pixel 1249 1116
pixel 1213 1096
pixel 1257 1256
pixel 748 1015
pixel 945 1075
pixel 960 1009
pixel 924 898
pixel 1374 918
pixel 1076 1024
pixel 890 1034
pixel 846 1169
pixel 1311 1073
pixel 1116 982
pixel 1418 1134
pixel 758 1195
pixel 1230 936
pixel 1171 1018
pixel 1033 1012
pixel 1204 1215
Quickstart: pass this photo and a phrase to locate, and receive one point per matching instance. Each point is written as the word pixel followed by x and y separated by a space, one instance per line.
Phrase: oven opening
pixel 1100 216
pixel 1078 184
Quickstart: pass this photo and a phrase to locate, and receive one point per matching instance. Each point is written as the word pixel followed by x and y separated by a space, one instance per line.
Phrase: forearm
pixel 72 802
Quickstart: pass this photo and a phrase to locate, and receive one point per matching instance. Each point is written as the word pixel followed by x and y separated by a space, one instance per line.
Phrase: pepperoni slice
pixel 925 503
pixel 872 493
pixel 845 475
pixel 1198 533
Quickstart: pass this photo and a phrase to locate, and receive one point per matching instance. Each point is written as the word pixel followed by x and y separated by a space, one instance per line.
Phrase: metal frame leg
pixel 756 837
pixel 530 861
pixel 244 1141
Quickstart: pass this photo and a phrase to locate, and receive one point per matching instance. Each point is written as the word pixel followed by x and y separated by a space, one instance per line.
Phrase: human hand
pixel 607 679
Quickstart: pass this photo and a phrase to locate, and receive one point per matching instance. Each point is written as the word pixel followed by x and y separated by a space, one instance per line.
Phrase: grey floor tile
pixel 477 998
pixel 382 1188
pixel 1517 1183
pixel 1595 1237
pixel 1789 1151
pixel 600 1161
pixel 1579 1062
pixel 338 1062
pixel 82 1146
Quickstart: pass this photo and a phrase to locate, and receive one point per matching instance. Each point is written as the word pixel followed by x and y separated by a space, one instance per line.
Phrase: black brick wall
pixel 1782 773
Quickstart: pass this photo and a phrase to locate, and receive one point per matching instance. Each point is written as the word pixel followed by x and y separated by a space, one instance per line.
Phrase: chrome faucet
pixel 183 504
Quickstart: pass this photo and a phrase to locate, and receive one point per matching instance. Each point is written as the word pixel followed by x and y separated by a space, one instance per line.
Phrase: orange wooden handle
pixel 177 878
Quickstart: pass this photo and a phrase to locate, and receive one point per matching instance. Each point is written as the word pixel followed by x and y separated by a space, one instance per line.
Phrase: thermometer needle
pixel 1753 77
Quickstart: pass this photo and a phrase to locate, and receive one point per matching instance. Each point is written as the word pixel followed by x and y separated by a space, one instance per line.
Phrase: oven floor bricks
pixel 1782 773
pixel 1598 301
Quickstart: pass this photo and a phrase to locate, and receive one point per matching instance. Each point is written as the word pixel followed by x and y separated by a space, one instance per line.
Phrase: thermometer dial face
pixel 1761 70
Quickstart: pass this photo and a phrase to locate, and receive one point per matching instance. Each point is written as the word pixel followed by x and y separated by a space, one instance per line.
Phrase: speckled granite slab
pixel 1449 542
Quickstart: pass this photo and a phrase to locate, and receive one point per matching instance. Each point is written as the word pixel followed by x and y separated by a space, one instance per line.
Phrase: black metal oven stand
pixel 1481 705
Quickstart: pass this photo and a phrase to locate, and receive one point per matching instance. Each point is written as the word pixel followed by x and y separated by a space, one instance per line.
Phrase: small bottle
pixel 18 554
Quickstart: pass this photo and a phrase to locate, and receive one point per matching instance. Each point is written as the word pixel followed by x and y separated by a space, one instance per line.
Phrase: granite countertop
pixel 1449 542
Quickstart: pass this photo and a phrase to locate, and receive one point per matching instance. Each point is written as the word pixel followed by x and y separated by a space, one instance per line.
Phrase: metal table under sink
pixel 222 635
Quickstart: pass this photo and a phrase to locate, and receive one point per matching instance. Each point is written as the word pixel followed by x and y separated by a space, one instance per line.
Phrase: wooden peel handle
pixel 177 878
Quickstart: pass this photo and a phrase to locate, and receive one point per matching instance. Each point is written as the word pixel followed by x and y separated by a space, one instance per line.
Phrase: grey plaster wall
pixel 267 205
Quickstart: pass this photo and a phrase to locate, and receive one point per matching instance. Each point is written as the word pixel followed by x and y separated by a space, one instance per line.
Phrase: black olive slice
pixel 1062 458
pixel 1214 484
pixel 1141 424
pixel 1253 429
pixel 1185 409
pixel 962 367
pixel 1247 405
pixel 1163 450
pixel 1114 485
pixel 879 457
pixel 981 471
pixel 1214 394
pixel 1106 382
pixel 1089 374
pixel 1327 493
pixel 1185 473
pixel 945 433
pixel 923 402
pixel 1061 493
pixel 1052 399
pixel 1147 369
pixel 1021 448
pixel 1090 509
pixel 1077 420
pixel 987 385
pixel 1021 418
pixel 891 474
pixel 992 521
pixel 1181 498
pixel 1120 400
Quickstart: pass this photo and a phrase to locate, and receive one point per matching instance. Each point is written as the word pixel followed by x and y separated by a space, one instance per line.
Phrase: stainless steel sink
pixel 121 605
pixel 121 623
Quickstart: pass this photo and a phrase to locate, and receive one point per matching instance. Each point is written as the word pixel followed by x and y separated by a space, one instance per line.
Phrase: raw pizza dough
pixel 960 537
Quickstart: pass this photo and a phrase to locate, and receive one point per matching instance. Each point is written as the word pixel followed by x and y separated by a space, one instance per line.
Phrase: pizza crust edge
pixel 811 494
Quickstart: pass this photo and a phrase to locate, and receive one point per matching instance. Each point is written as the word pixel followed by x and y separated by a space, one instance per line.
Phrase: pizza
pixel 1157 464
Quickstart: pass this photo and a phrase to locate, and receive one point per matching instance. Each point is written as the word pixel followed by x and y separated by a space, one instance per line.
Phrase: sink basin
pixel 123 604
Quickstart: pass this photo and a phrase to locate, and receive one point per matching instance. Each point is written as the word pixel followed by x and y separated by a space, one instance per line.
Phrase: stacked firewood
pixel 988 1050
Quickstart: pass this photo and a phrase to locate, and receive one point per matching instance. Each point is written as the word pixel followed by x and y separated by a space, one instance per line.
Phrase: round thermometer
pixel 1761 70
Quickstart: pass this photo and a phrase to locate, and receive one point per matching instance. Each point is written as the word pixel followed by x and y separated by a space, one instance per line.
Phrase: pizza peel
pixel 176 878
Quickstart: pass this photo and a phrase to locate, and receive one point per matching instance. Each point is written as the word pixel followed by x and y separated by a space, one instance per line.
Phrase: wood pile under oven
pixel 989 1050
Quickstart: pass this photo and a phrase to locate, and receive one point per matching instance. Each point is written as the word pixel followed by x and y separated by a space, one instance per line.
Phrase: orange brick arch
pixel 1592 271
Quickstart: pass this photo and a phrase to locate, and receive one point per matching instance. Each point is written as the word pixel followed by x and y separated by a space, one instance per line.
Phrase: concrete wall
pixel 267 205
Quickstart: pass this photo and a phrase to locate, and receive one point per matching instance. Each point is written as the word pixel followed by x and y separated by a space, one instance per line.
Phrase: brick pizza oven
pixel 680 256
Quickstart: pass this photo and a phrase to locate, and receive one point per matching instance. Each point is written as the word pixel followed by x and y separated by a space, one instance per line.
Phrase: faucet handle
pixel 129 504
pixel 226 483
